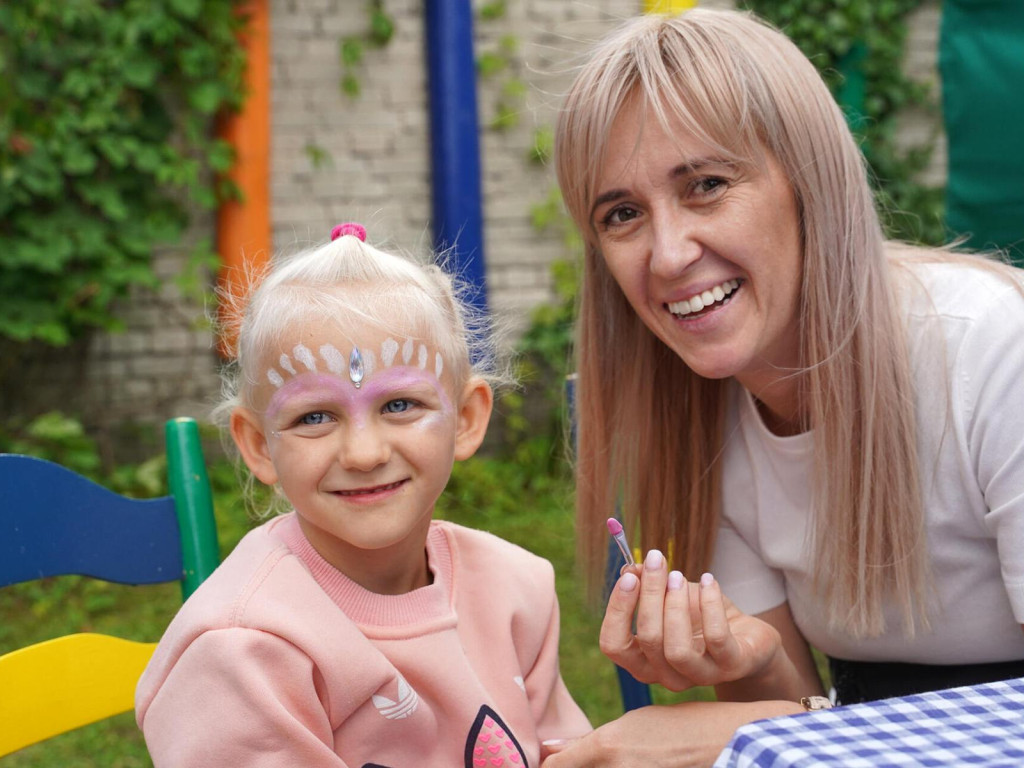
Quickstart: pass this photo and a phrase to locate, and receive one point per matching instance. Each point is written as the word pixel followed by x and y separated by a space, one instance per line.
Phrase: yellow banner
pixel 668 6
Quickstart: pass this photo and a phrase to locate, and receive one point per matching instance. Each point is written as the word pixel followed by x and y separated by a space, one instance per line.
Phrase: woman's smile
pixel 705 301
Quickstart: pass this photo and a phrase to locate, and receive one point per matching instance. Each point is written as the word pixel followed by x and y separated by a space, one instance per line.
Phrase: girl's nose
pixel 675 247
pixel 363 448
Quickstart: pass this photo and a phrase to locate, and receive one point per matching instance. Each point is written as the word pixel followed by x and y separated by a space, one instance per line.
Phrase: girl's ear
pixel 247 432
pixel 474 414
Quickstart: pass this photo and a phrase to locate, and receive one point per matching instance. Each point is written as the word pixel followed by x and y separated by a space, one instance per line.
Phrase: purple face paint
pixel 313 391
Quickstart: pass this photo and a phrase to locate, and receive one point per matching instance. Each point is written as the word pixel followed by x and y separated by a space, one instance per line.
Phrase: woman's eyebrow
pixel 607 197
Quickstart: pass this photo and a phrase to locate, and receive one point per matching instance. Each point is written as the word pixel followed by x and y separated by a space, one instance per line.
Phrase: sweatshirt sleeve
pixel 239 697
pixel 557 715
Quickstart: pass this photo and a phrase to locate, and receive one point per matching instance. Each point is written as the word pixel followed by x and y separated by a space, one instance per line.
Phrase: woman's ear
pixel 247 432
pixel 474 414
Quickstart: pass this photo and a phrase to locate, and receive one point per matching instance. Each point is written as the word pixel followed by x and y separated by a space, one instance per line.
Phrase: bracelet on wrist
pixel 815 703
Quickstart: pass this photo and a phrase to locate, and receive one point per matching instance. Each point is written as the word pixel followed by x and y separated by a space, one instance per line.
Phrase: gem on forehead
pixel 355 367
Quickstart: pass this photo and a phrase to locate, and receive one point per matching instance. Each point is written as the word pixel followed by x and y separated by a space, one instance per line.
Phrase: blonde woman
pixel 827 422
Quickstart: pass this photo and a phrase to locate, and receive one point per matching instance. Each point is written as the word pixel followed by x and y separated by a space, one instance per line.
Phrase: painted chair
pixel 55 522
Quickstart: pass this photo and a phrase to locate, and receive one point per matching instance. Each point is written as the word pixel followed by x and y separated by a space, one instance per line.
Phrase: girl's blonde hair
pixel 650 431
pixel 349 281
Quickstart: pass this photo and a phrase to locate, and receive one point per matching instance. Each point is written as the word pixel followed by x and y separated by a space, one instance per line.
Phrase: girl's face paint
pixel 362 466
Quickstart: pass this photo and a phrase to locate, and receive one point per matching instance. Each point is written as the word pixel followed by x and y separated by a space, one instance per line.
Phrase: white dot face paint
pixel 388 350
pixel 334 359
pixel 357 364
pixel 304 356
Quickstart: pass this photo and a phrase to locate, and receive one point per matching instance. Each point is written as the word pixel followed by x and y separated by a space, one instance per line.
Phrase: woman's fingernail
pixel 628 582
pixel 654 560
pixel 706 580
pixel 675 580
pixel 554 742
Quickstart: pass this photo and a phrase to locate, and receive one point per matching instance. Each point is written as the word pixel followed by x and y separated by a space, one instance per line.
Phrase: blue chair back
pixel 54 522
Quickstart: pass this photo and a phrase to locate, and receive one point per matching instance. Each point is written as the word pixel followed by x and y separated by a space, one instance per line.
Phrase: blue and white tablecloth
pixel 981 725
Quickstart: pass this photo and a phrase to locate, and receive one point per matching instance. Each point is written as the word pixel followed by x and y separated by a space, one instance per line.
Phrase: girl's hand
pixel 685 735
pixel 686 634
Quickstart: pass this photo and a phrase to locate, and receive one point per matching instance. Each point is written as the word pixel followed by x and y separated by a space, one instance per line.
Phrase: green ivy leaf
pixel 78 159
pixel 206 97
pixel 351 51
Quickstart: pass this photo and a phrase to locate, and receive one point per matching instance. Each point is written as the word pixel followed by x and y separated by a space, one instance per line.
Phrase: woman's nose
pixel 675 247
pixel 363 447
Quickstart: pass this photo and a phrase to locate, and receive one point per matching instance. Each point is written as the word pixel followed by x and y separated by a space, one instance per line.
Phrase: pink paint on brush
pixel 615 529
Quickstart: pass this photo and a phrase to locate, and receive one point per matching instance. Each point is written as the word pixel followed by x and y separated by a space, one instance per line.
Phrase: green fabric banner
pixel 981 60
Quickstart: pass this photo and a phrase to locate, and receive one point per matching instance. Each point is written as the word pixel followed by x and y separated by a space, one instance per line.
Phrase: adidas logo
pixel 407 702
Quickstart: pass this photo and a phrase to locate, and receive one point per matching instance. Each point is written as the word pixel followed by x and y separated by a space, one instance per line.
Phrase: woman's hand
pixel 686 634
pixel 681 736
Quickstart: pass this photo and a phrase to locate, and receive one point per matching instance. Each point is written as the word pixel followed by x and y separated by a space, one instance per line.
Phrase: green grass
pixel 527 500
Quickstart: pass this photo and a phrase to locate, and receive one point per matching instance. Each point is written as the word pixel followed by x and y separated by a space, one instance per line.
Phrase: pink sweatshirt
pixel 280 660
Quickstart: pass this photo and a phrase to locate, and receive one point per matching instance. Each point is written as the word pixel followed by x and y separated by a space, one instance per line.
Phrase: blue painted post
pixel 455 142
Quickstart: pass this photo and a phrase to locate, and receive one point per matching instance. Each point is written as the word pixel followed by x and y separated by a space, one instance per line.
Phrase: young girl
pixel 354 630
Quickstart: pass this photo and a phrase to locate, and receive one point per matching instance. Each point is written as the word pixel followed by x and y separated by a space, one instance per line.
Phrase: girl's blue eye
pixel 317 417
pixel 397 406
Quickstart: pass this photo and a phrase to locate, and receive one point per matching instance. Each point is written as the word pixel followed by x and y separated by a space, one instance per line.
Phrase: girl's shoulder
pixel 483 551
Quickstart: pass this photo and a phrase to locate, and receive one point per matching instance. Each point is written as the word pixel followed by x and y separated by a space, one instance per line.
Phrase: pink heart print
pixel 492 743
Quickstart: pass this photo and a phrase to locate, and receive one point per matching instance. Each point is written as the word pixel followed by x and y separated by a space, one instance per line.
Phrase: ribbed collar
pixel 425 609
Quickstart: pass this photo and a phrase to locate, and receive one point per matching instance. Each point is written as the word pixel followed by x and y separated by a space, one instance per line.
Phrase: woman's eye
pixel 314 418
pixel 398 406
pixel 619 215
pixel 709 185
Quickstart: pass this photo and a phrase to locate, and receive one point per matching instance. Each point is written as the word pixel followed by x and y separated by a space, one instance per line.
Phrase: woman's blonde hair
pixel 650 431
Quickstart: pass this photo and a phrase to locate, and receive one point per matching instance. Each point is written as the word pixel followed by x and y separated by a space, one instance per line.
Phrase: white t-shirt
pixel 966 341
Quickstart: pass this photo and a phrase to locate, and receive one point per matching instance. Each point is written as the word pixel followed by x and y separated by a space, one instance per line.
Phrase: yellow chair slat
pixel 66 683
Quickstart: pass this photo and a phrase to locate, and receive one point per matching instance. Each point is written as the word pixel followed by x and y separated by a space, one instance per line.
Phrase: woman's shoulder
pixel 967 287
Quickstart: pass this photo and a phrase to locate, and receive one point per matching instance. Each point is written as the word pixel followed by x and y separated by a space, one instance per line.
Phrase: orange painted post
pixel 243 226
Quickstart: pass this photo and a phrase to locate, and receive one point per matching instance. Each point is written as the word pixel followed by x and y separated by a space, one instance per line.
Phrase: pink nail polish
pixel 675 580
pixel 628 582
pixel 654 560
pixel 706 580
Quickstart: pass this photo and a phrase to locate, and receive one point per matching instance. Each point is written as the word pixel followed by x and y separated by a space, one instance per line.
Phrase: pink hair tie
pixel 349 228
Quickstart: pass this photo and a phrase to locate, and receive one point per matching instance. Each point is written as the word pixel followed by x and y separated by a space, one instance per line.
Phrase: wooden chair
pixel 55 522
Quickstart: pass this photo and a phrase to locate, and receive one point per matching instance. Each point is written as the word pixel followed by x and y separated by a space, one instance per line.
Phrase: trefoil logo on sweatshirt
pixel 407 702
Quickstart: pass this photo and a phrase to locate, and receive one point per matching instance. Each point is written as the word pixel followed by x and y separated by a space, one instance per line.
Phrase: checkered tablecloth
pixel 981 725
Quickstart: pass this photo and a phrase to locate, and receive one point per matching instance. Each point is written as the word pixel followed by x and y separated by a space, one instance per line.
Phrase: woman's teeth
pixel 703 300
